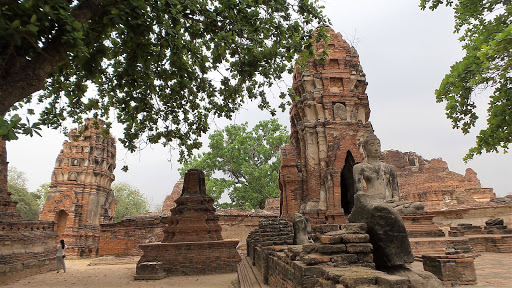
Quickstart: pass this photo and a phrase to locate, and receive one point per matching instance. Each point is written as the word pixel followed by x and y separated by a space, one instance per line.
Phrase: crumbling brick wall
pixel 26 248
pixel 433 184
pixel 123 238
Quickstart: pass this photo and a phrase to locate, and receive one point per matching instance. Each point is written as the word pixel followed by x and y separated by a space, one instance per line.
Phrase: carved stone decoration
pixel 80 192
pixel 329 117
pixel 72 176
pixel 340 112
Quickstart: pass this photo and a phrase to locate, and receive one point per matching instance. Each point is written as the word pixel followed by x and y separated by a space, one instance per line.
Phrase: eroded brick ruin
pixel 80 197
pixel 170 200
pixel 329 120
pixel 432 183
pixel 26 247
pixel 7 206
pixel 192 242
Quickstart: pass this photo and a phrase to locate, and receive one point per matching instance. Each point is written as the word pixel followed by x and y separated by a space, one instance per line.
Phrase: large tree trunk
pixel 22 77
pixel 3 171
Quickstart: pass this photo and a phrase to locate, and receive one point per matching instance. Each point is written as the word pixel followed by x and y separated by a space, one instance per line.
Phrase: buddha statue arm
pixel 393 179
pixel 358 179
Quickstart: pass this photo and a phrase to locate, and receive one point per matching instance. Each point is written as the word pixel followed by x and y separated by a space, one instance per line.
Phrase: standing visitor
pixel 61 255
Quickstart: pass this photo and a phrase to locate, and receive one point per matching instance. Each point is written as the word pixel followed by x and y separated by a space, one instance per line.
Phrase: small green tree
pixel 42 192
pixel 129 201
pixel 486 27
pixel 242 162
pixel 27 206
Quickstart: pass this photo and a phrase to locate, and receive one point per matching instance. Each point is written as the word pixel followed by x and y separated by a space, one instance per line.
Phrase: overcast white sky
pixel 405 52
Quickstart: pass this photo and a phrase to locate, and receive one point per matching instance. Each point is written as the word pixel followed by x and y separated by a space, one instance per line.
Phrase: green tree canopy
pixel 129 201
pixel 42 192
pixel 28 206
pixel 242 162
pixel 161 68
pixel 486 27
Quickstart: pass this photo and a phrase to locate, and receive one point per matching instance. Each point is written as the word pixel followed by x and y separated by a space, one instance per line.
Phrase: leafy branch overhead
pixel 242 163
pixel 162 68
pixel 486 34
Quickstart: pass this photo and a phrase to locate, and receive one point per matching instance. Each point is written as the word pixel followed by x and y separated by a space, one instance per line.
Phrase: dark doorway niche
pixel 347 183
pixel 61 218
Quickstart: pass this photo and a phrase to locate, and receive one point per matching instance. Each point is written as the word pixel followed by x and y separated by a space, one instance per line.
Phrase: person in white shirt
pixel 61 255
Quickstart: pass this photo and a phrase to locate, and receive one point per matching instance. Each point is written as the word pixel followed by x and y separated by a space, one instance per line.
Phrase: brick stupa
pixel 193 218
pixel 192 242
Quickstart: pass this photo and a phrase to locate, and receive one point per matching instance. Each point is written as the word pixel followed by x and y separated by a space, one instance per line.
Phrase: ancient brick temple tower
pixel 329 121
pixel 192 242
pixel 80 197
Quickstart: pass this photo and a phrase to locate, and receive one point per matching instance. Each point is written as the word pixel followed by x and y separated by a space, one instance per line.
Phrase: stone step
pixel 249 276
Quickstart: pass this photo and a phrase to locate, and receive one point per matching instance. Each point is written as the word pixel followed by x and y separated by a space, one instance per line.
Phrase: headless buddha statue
pixel 380 178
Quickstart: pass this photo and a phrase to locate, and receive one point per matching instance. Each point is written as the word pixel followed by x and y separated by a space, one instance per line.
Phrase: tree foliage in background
pixel 486 34
pixel 242 162
pixel 129 201
pixel 27 206
pixel 161 67
pixel 42 192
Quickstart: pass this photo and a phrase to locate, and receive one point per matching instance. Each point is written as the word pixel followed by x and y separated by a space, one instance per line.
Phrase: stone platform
pixel 469 244
pixel 191 258
pixel 421 226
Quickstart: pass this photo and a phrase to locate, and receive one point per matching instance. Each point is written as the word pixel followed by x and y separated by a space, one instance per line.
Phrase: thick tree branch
pixel 28 75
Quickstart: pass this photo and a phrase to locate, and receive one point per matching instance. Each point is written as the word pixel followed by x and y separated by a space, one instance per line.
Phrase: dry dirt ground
pixel 494 270
pixel 116 273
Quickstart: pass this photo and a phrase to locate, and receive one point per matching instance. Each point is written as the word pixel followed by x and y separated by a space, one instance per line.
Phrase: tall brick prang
pixel 329 120
pixel 80 197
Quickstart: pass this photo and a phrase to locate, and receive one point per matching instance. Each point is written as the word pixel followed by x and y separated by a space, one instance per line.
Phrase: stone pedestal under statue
pixel 192 242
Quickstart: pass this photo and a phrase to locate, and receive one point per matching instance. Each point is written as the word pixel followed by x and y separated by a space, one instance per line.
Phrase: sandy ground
pixel 494 270
pixel 116 273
